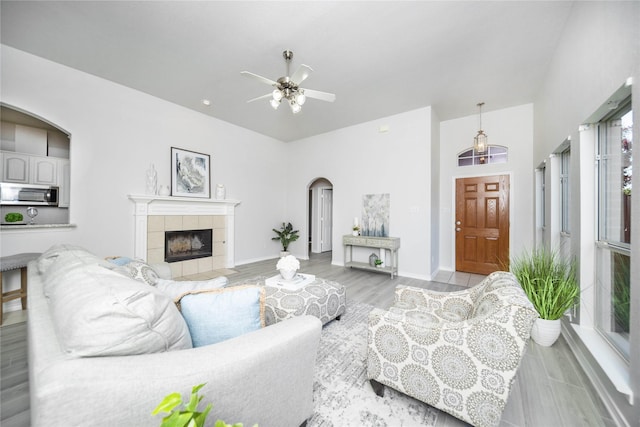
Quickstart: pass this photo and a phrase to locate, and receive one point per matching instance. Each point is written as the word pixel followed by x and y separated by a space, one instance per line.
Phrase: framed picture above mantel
pixel 190 174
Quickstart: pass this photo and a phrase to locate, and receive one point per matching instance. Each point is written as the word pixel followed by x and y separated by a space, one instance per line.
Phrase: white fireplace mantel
pixel 146 205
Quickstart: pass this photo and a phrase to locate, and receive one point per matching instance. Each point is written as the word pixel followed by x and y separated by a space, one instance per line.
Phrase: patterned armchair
pixel 456 351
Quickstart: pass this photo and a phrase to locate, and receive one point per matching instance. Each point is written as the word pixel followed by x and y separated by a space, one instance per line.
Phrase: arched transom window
pixel 494 154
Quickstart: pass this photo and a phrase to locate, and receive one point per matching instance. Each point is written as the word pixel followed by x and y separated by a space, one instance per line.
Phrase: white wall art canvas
pixel 190 173
pixel 375 215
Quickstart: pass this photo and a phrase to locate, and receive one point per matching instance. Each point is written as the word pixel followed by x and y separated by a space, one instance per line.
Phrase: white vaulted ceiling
pixel 379 58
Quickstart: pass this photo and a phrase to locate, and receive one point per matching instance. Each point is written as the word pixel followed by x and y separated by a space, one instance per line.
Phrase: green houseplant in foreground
pixel 552 287
pixel 286 235
pixel 189 416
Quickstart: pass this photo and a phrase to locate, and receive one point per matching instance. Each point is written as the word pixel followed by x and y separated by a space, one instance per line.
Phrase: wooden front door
pixel 482 224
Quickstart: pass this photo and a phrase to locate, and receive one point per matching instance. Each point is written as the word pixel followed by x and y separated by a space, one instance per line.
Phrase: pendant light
pixel 480 141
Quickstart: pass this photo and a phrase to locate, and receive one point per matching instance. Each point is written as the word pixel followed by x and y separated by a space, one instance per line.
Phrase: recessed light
pixel 206 102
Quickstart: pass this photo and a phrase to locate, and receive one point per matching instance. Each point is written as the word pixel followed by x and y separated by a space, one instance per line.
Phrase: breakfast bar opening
pixel 187 244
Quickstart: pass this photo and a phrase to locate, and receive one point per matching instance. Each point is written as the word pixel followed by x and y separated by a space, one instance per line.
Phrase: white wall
pixel 116 133
pixel 510 127
pixel 599 50
pixel 361 160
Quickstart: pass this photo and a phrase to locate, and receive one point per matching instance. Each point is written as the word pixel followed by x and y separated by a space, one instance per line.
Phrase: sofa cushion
pixel 99 312
pixel 220 314
pixel 176 288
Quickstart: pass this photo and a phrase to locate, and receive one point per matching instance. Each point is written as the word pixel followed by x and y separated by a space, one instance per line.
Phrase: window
pixel 615 145
pixel 565 192
pixel 541 205
pixel 494 154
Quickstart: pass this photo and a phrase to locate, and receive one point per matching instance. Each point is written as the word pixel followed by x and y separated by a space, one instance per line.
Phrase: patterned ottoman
pixel 324 299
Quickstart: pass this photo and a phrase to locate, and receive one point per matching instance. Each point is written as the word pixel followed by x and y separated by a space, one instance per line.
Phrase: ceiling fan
pixel 288 88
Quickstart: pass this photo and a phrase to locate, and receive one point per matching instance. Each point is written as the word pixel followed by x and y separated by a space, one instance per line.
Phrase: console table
pixel 392 244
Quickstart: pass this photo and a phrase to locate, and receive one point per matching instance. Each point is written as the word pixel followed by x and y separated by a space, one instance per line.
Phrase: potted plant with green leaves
pixel 286 235
pixel 551 284
pixel 188 415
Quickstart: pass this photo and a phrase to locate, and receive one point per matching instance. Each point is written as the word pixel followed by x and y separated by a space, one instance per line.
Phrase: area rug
pixel 342 394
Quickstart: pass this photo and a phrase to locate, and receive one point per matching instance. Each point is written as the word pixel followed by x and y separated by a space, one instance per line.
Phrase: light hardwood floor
pixel 550 389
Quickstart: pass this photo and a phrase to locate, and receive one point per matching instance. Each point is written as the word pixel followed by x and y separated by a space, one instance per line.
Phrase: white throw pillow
pixel 99 312
pixel 175 288
pixel 49 257
pixel 140 271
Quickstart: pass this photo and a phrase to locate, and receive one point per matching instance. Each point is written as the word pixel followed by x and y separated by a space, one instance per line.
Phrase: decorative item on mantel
pixel 356 227
pixel 287 266
pixel 221 192
pixel 164 191
pixel 152 180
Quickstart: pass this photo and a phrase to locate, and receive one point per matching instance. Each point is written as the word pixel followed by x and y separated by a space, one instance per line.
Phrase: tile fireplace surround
pixel 156 214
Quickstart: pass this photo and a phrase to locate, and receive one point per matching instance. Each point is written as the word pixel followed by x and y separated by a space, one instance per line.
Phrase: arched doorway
pixel 320 216
pixel 35 151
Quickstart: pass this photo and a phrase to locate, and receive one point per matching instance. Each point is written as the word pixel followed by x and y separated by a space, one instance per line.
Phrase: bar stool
pixel 13 262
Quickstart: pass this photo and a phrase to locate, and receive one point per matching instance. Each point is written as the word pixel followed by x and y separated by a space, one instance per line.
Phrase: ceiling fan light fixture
pixel 295 108
pixel 288 88
pixel 300 98
pixel 480 142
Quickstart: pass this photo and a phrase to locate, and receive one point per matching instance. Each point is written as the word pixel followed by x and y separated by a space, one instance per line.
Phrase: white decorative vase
pixel 354 232
pixel 546 332
pixel 164 190
pixel 152 180
pixel 287 274
pixel 221 192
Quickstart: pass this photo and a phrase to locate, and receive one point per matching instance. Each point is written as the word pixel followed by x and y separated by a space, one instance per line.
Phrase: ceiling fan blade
pixel 301 74
pixel 259 98
pixel 323 96
pixel 262 79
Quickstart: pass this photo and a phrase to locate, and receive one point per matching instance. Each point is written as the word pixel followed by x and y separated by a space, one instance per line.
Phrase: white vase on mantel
pixel 152 180
pixel 164 191
pixel 221 192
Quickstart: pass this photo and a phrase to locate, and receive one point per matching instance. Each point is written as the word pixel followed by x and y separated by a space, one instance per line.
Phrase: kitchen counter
pixel 41 227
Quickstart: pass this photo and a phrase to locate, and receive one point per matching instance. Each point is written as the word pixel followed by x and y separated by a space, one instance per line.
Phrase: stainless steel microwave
pixel 28 194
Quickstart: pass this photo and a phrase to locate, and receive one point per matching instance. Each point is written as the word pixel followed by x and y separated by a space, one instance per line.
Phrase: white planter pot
pixel 545 332
pixel 287 274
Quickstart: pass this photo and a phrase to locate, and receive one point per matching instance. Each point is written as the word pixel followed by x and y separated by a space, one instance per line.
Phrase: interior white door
pixel 326 222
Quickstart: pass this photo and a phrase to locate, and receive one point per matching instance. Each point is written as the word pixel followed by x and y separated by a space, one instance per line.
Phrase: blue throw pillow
pixel 216 315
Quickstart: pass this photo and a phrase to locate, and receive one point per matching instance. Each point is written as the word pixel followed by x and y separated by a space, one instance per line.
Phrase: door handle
pixel 458 229
pixel 458 222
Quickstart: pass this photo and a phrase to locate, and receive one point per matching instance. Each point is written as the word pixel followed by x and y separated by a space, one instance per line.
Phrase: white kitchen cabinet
pixel 43 170
pixel 64 182
pixel 16 168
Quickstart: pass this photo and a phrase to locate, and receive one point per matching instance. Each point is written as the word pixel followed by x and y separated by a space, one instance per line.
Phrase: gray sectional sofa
pixel 104 349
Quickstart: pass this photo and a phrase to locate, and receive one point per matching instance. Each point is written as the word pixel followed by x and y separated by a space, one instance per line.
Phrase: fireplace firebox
pixel 187 244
